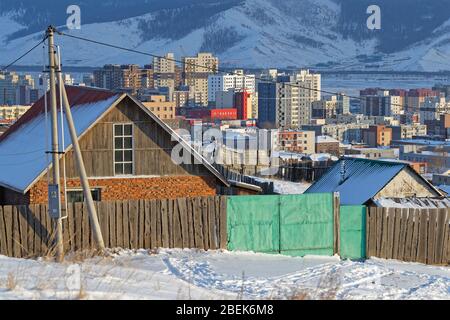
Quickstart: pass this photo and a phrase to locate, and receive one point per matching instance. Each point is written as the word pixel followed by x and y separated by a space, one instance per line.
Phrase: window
pixel 76 195
pixel 123 149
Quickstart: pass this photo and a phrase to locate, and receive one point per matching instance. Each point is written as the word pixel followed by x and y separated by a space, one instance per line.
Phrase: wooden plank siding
pixel 409 234
pixel 152 147
pixel 26 231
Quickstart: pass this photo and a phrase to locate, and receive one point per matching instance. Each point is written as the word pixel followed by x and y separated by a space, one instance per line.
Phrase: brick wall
pixel 137 188
pixel 328 147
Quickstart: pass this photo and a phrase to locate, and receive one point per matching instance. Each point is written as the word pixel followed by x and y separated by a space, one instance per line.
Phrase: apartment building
pixel 160 107
pixel 267 105
pixel 12 112
pixel 147 77
pixel 288 103
pixel 326 144
pixel 183 97
pixel 242 101
pixel 330 107
pixel 346 133
pixel 416 97
pixel 433 107
pixel 196 71
pixel 297 141
pixel 108 77
pixel 15 88
pixel 376 136
pixel 408 131
pixel 381 104
pixel 309 86
pixel 371 153
pixel 439 127
pixel 237 81
pixel 164 71
pixel 131 76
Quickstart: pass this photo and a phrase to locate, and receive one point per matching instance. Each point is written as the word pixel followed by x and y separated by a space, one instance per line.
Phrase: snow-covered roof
pixel 419 203
pixel 322 157
pixel 23 146
pixel 322 139
pixel 445 188
pixel 424 142
pixel 362 180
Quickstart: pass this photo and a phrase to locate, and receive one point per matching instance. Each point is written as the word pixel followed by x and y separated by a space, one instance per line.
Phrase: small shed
pixel 360 180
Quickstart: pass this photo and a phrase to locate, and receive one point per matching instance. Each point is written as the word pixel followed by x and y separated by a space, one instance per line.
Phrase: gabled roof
pixel 362 180
pixel 22 147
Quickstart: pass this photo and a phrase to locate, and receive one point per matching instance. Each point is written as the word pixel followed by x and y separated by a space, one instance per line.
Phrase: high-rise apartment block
pixel 15 88
pixel 108 77
pixel 237 81
pixel 196 71
pixel 331 106
pixel 381 103
pixel 164 69
pixel 376 136
pixel 115 77
pixel 417 96
pixel 288 102
pixel 433 107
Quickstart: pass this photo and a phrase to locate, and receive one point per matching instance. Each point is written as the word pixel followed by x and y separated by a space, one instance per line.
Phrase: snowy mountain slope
pixel 250 33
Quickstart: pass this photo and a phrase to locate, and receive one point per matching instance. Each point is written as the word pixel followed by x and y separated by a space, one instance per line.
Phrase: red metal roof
pixel 77 95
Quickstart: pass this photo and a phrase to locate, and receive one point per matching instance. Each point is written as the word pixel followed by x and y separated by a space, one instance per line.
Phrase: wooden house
pixel 126 151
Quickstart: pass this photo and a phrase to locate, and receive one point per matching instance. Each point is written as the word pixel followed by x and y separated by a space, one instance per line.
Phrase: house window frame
pixel 123 162
pixel 98 190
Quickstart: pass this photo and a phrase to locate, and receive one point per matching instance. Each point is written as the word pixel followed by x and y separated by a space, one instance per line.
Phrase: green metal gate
pixel 296 225
pixel 353 232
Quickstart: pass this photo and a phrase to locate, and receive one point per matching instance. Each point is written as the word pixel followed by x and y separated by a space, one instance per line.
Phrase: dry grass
pixel 82 294
pixel 327 289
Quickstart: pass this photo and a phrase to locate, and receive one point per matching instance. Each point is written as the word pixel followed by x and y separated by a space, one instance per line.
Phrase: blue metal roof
pixel 362 179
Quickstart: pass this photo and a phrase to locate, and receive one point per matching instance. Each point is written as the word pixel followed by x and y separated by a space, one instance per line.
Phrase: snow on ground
pixel 286 187
pixel 192 274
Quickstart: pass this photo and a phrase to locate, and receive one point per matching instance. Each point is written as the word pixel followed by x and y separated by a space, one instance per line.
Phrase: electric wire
pixel 218 70
pixel 4 68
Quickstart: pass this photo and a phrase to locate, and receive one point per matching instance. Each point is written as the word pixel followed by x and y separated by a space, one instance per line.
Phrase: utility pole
pixel 81 169
pixel 54 190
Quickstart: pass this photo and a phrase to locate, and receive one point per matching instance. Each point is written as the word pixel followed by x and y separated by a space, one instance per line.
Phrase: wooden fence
pixel 229 174
pixel 28 231
pixel 419 235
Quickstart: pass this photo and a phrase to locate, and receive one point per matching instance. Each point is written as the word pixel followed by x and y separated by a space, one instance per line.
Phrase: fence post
pixel 336 223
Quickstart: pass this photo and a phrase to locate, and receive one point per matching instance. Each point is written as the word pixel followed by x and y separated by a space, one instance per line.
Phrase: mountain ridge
pixel 328 34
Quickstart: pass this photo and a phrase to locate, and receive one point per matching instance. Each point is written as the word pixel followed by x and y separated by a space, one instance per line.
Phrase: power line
pixel 296 85
pixel 21 153
pixel 23 55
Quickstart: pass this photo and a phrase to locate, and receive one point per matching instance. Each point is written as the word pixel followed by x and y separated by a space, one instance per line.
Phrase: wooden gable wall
pixel 406 184
pixel 152 146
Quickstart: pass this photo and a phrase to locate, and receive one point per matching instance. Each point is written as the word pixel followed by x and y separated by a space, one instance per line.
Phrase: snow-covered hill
pixel 247 33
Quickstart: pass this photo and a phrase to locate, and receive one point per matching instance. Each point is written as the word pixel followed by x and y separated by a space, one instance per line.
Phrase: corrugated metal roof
pixel 23 146
pixel 445 188
pixel 76 95
pixel 362 179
